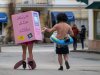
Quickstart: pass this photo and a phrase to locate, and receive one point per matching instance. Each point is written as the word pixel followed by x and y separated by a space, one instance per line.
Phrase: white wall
pixel 91 26
pixel 67 2
pixel 4 1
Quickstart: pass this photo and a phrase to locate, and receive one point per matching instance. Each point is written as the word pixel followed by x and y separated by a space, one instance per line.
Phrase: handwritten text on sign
pixel 26 27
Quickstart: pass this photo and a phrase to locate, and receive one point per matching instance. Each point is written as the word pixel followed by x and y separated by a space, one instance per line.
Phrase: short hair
pixel 83 26
pixel 62 17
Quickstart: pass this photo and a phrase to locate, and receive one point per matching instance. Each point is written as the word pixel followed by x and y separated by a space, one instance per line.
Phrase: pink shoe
pixel 31 64
pixel 18 64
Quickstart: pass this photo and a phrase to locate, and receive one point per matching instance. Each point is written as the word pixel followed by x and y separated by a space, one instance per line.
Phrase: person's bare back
pixel 62 30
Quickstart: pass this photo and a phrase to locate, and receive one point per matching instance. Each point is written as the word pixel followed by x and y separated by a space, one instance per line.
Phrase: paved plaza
pixel 82 63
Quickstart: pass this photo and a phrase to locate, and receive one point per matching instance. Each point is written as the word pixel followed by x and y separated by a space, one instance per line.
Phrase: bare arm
pixel 49 29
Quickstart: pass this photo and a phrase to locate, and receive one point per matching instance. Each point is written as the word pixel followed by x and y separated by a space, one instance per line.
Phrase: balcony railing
pixel 33 3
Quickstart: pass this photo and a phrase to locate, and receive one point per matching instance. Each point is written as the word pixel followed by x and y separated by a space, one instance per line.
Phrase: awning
pixel 3 17
pixel 85 1
pixel 70 16
pixel 94 5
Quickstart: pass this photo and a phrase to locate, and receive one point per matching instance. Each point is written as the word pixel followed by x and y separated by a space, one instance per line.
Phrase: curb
pixel 86 51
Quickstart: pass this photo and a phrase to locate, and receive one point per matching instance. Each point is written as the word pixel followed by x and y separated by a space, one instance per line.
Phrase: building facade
pixel 46 7
pixel 94 25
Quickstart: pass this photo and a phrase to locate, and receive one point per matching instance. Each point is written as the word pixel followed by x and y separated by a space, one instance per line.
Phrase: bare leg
pixel 24 48
pixel 65 57
pixel 60 59
pixel 31 62
pixel 22 62
pixel 30 47
pixel 66 61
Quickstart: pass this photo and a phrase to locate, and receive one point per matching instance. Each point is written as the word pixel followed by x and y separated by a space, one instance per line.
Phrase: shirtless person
pixel 63 29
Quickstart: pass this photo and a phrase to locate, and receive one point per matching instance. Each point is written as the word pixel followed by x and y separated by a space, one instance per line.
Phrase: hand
pixel 44 29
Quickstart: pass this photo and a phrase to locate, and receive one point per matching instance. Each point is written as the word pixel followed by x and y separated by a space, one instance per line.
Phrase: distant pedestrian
pixel 82 35
pixel 76 32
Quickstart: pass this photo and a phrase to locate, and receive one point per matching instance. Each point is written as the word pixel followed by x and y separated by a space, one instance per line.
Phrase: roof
pixel 94 5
